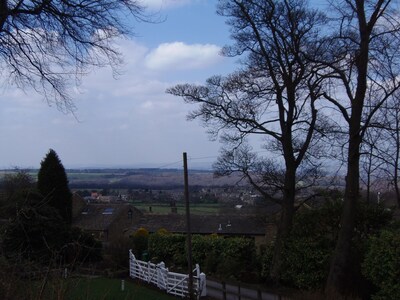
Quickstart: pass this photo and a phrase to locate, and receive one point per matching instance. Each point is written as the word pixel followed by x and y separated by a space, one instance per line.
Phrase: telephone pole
pixel 188 229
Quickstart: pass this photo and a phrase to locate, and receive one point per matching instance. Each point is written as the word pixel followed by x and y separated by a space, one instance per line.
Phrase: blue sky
pixel 128 121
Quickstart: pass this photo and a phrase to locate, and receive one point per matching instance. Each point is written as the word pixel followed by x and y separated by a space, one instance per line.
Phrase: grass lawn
pixel 105 289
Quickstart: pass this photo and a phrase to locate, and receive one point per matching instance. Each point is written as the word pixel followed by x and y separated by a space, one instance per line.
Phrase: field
pixel 196 209
pixel 138 178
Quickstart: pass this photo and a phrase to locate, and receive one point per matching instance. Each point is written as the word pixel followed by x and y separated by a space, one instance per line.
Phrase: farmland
pixel 197 209
pixel 139 178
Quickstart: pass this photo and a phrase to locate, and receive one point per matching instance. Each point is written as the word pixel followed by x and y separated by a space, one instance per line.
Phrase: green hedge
pixel 309 247
pixel 228 257
pixel 382 264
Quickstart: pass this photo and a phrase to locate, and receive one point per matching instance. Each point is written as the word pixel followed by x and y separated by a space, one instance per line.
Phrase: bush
pixel 312 241
pixel 83 247
pixel 140 242
pixel 233 257
pixel 117 251
pixel 309 246
pixel 36 232
pixel 382 264
pixel 225 257
pixel 169 248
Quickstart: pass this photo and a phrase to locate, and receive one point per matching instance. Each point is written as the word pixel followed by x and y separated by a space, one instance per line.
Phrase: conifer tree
pixel 53 185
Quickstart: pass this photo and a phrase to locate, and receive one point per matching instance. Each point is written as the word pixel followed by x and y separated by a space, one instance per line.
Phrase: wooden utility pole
pixel 188 229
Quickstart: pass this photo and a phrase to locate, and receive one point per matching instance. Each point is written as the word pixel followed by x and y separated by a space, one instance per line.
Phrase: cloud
pixel 181 56
pixel 123 121
pixel 161 4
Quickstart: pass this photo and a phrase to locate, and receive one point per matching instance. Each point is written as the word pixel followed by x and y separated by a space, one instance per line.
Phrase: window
pixel 108 211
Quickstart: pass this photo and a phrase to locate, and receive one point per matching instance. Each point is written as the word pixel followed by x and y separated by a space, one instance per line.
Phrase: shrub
pixel 117 251
pixel 140 242
pixel 312 240
pixel 225 257
pixel 169 248
pixel 309 246
pixel 382 264
pixel 83 247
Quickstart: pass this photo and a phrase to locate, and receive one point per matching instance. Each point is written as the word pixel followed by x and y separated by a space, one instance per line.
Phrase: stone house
pixel 105 221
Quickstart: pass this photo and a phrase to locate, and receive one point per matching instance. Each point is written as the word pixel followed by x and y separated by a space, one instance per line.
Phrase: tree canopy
pixel 49 44
pixel 274 96
pixel 298 68
pixel 53 185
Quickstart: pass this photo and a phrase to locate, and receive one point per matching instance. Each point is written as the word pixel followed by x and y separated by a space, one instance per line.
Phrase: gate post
pixel 202 292
pixel 161 279
pixel 131 264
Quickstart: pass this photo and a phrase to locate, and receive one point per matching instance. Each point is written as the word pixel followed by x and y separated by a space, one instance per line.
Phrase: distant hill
pixel 147 178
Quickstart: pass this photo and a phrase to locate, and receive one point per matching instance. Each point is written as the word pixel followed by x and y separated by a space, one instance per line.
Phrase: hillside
pixel 142 178
pixel 151 178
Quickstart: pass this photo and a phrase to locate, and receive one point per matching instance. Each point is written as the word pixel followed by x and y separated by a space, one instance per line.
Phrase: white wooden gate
pixel 173 283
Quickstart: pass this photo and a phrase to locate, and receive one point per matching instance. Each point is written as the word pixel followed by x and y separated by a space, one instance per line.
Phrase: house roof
pixel 99 217
pixel 206 224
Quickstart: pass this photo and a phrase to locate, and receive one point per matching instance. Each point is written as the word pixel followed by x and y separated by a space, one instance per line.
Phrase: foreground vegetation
pixel 84 288
pixel 38 242
pixel 307 253
pixel 105 288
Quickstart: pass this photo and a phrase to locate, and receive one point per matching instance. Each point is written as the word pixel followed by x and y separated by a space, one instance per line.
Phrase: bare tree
pixel 388 147
pixel 273 96
pixel 362 64
pixel 392 157
pixel 372 162
pixel 47 44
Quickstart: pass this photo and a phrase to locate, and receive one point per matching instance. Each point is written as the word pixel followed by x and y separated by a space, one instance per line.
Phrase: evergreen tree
pixel 53 185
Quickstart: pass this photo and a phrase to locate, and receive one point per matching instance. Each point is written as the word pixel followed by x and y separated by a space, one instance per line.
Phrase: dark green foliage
pixel 225 257
pixel 140 242
pixel 309 247
pixel 311 243
pixel 14 187
pixel 36 232
pixel 233 257
pixel 81 247
pixel 117 252
pixel 169 248
pixel 16 182
pixel 382 264
pixel 53 184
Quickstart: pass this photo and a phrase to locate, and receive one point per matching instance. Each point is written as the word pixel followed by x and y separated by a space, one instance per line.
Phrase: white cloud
pixel 161 4
pixel 181 56
pixel 131 116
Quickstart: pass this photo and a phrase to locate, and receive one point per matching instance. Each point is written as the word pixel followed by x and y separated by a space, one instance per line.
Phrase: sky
pixel 129 121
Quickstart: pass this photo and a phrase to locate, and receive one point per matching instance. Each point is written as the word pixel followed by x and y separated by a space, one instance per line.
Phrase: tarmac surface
pixel 235 292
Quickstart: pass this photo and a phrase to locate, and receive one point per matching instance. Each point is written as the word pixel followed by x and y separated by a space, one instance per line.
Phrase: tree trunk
pixel 285 223
pixel 396 164
pixel 341 262
pixel 339 280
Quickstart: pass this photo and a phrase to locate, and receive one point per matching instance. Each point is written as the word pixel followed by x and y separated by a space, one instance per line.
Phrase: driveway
pixel 215 291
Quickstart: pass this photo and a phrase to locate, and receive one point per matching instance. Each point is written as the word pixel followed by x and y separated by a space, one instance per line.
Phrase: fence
pixel 173 283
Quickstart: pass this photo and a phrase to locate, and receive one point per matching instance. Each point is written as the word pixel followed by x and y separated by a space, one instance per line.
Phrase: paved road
pixel 215 291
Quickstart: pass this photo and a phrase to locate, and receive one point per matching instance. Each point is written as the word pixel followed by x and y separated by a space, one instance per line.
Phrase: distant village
pixel 111 212
pixel 107 216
